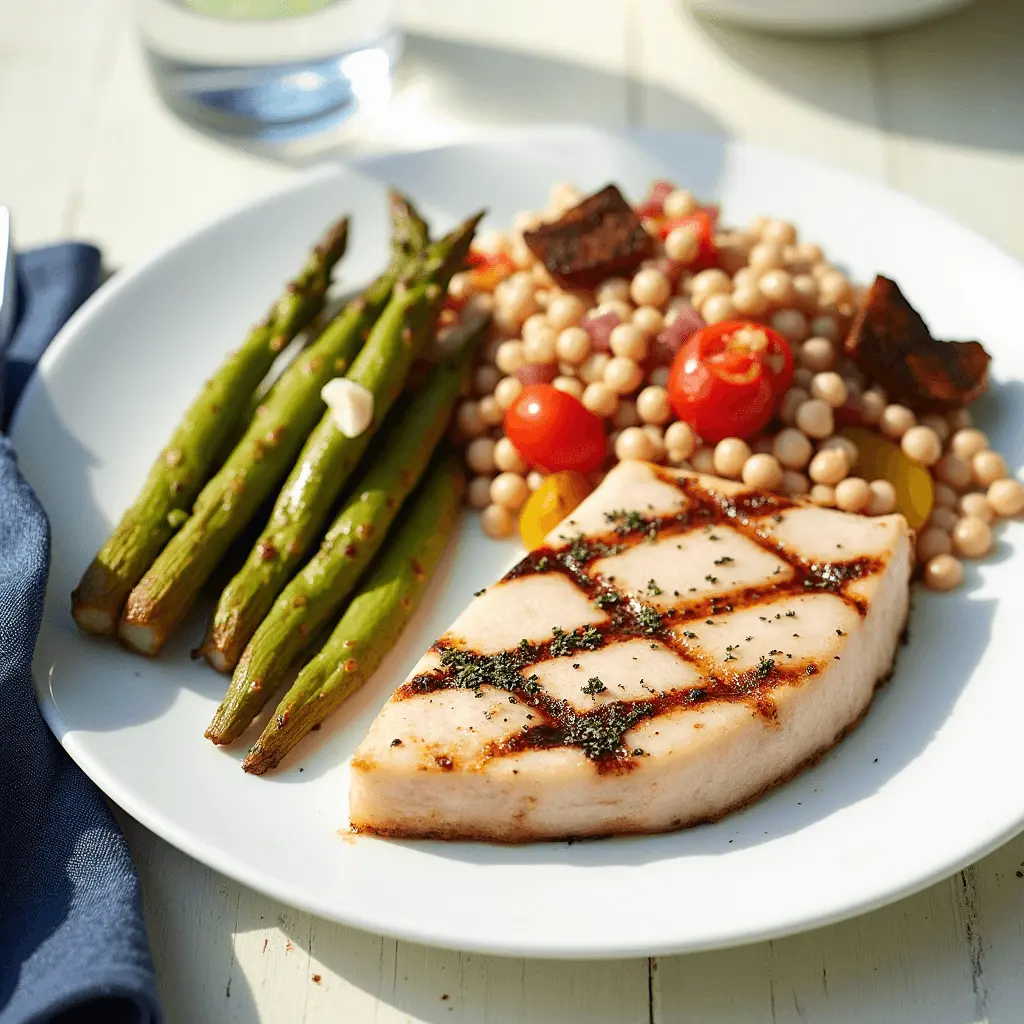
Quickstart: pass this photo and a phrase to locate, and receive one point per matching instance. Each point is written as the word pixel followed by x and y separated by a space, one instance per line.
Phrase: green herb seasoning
pixel 598 733
pixel 626 520
pixel 468 670
pixel 584 638
pixel 583 550
pixel 649 620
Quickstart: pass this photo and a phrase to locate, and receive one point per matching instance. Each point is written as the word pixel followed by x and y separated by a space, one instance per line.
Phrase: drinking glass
pixel 270 69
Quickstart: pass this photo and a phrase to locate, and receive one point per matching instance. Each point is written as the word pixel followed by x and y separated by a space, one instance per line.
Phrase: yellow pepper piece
pixel 556 497
pixel 880 459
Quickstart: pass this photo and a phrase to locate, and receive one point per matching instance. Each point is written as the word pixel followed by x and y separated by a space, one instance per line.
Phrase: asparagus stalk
pixel 372 623
pixel 259 461
pixel 317 593
pixel 185 462
pixel 329 456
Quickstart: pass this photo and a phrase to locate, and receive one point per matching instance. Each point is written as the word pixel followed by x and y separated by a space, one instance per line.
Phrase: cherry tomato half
pixel 553 430
pixel 704 223
pixel 728 379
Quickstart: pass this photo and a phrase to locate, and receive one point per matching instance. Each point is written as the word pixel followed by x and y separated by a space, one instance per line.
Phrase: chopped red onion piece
pixel 670 268
pixel 849 414
pixel 674 335
pixel 600 330
pixel 536 373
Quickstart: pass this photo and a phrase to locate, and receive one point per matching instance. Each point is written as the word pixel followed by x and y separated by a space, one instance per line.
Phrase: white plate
pixel 825 16
pixel 929 782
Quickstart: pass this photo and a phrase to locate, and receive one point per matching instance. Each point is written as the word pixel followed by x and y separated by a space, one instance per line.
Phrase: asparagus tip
pixel 401 204
pixel 337 236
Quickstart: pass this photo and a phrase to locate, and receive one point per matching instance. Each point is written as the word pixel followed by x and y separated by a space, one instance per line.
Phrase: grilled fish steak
pixel 682 645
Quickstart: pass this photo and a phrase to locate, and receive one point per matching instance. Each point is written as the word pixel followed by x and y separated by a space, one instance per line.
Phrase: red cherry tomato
pixel 553 430
pixel 704 223
pixel 653 205
pixel 728 379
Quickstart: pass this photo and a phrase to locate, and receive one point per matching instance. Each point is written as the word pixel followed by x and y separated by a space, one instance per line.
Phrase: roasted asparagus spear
pixel 260 460
pixel 373 621
pixel 319 591
pixel 329 456
pixel 185 463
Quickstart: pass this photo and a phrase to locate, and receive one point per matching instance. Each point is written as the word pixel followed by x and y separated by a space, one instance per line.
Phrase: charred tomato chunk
pixel 890 342
pixel 600 237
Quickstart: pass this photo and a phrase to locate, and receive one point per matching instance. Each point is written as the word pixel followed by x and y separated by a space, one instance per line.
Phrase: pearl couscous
pixel 610 348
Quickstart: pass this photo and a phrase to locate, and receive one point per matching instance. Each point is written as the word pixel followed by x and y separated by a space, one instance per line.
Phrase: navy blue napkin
pixel 73 947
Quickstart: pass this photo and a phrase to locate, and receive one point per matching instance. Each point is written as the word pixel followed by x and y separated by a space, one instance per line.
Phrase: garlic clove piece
pixel 350 403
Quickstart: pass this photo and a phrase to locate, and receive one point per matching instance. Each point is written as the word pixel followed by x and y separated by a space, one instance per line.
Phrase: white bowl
pixel 824 16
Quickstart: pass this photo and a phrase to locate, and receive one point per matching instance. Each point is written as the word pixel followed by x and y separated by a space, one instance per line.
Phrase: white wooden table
pixel 90 152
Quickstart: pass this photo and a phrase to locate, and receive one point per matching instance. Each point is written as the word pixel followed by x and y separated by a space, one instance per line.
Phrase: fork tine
pixel 8 291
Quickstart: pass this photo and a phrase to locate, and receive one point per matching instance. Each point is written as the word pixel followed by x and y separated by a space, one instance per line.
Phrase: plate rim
pixel 277 887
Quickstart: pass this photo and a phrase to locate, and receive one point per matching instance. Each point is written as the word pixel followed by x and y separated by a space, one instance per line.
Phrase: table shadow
pixel 446 89
pixel 163 875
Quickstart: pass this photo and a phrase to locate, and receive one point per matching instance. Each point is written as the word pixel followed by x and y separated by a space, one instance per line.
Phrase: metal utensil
pixel 8 291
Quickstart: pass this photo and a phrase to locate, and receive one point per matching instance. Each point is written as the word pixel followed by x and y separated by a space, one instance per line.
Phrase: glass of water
pixel 270 69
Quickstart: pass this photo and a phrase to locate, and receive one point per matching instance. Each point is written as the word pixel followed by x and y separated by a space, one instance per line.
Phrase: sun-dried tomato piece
pixel 890 342
pixel 600 237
